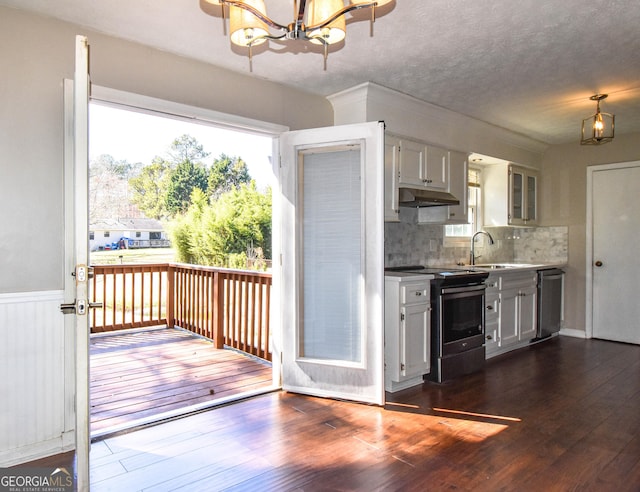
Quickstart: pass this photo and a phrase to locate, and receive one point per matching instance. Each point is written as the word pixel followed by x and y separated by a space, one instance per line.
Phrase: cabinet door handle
pixel 418 294
pixel 489 337
pixel 598 263
pixel 490 308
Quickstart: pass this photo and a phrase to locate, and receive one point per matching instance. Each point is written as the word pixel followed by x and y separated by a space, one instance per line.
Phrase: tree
pixel 187 177
pixel 108 188
pixel 227 173
pixel 164 188
pixel 150 188
pixel 186 149
pixel 226 232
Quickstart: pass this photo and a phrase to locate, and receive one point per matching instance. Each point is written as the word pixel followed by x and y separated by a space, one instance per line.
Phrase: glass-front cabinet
pixel 510 195
pixel 523 187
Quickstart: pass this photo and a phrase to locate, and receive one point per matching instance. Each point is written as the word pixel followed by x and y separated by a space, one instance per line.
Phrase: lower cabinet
pixel 407 331
pixel 511 310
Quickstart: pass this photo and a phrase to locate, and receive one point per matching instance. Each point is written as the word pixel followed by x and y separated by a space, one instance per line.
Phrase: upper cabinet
pixel 413 164
pixel 423 166
pixel 510 196
pixel 391 175
pixel 458 182
pixel 524 186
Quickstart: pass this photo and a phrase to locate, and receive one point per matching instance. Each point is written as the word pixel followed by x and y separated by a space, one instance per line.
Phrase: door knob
pixel 598 263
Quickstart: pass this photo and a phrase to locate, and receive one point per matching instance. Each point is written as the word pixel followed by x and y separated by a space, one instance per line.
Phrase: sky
pixel 137 137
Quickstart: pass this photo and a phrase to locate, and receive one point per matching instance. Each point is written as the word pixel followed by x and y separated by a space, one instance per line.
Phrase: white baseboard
pixel 570 332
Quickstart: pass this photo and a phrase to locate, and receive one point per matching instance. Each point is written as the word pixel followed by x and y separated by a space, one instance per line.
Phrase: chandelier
pixel 600 127
pixel 320 22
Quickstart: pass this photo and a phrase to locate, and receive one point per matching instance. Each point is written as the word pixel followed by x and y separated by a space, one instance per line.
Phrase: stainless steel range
pixel 457 320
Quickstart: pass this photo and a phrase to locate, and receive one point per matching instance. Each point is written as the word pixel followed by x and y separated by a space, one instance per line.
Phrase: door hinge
pixel 401 366
pixel 401 316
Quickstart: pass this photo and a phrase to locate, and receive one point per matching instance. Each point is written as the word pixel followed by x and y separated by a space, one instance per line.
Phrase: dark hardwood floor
pixel 561 415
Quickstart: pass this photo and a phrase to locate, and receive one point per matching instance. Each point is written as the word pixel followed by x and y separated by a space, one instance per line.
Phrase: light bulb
pixel 598 126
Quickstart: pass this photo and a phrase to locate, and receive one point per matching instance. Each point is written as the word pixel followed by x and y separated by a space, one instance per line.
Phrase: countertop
pixel 509 267
pixel 502 268
pixel 412 275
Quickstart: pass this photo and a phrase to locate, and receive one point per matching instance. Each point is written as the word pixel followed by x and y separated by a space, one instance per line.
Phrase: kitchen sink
pixel 497 266
pixel 491 266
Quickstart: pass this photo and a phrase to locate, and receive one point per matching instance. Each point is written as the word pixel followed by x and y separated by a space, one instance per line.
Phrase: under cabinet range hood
pixel 417 197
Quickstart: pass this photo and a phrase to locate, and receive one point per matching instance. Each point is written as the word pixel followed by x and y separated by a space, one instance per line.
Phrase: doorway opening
pixel 184 282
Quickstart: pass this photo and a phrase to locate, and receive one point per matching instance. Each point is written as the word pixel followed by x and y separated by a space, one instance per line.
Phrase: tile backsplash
pixel 418 244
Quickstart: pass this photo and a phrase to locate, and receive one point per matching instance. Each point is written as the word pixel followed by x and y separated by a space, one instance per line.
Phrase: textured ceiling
pixel 528 66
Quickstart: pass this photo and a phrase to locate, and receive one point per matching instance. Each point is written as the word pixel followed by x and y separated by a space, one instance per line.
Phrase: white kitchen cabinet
pixel 508 324
pixel 511 311
pixel 423 166
pixel 458 187
pixel 510 195
pixel 412 164
pixel 492 314
pixel 527 310
pixel 437 168
pixel 458 184
pixel 391 171
pixel 407 330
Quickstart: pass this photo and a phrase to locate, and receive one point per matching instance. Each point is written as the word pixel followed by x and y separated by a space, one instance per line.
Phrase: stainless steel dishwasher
pixel 550 285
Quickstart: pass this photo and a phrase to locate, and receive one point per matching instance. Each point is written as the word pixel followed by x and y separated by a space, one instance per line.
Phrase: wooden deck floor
pixel 562 415
pixel 138 375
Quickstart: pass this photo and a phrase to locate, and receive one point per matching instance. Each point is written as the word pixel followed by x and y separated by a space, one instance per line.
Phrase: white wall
pixel 563 201
pixel 36 55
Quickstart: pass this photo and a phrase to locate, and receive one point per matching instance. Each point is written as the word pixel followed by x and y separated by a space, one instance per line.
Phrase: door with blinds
pixel 332 222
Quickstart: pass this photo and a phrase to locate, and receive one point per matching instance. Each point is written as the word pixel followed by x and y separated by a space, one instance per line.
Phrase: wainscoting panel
pixel 32 376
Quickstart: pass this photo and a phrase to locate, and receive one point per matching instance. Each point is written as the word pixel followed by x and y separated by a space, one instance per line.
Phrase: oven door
pixel 462 317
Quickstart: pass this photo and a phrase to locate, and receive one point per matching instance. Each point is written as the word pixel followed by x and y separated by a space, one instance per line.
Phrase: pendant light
pixel 321 22
pixel 245 28
pixel 599 128
pixel 321 10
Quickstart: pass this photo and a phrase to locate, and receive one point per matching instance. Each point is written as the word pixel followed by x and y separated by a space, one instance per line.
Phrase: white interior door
pixel 614 263
pixel 77 248
pixel 332 262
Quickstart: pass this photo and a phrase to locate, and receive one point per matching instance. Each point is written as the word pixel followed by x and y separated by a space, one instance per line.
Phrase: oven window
pixel 462 315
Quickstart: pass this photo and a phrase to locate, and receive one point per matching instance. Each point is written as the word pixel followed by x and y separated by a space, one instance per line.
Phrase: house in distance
pixel 107 234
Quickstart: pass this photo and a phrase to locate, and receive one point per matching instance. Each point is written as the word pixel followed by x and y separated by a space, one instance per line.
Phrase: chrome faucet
pixel 473 244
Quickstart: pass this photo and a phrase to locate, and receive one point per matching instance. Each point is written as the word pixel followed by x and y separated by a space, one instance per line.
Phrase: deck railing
pixel 231 307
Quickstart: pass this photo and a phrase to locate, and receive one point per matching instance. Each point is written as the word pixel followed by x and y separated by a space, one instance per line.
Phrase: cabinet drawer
pixel 415 293
pixel 520 280
pixel 492 308
pixel 493 283
pixel 491 335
